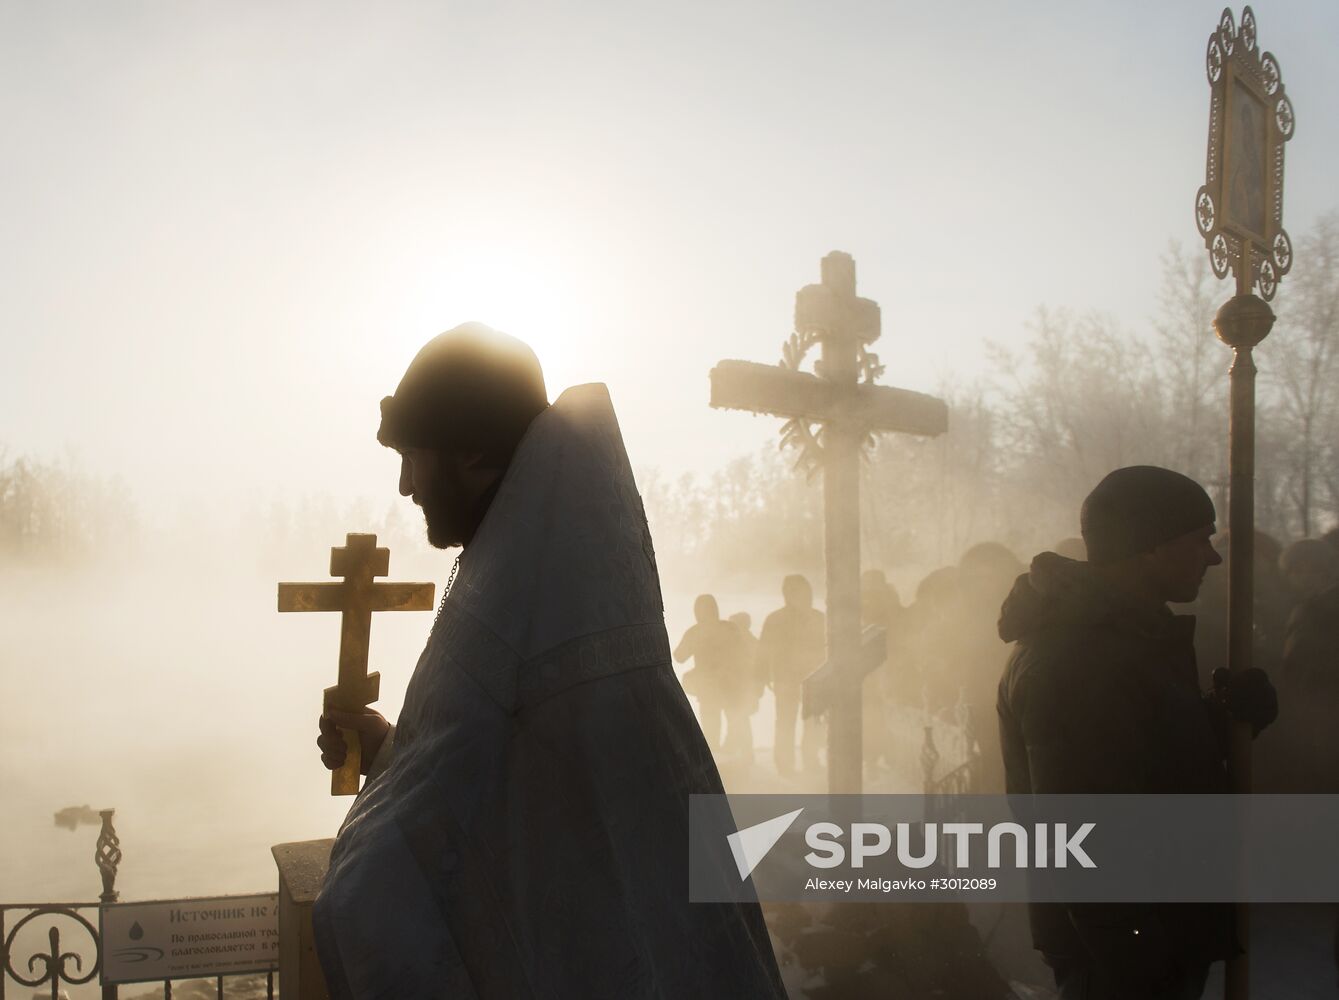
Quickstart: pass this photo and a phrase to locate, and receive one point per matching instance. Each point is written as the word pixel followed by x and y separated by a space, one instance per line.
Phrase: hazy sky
pixel 226 227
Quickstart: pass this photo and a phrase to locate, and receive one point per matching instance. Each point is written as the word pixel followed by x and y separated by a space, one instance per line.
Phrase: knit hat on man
pixel 1138 508
pixel 469 389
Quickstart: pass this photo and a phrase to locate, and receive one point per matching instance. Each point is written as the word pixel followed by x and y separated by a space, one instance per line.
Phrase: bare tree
pixel 1301 366
pixel 1081 398
pixel 1192 365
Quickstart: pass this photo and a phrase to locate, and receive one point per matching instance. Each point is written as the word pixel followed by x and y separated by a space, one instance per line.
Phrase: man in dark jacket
pixel 1101 696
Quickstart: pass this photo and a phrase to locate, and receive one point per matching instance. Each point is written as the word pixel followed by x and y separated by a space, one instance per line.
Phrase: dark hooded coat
pixel 1102 697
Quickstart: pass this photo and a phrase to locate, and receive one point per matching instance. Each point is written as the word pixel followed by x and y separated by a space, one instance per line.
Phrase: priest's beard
pixel 447 508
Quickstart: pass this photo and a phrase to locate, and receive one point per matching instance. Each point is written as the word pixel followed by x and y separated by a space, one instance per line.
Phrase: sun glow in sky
pixel 517 287
pixel 227 228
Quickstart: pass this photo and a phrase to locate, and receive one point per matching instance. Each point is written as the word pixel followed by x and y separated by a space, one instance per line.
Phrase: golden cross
pixel 355 597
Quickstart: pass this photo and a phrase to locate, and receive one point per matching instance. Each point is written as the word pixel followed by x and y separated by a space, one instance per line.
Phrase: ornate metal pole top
pixel 1239 209
pixel 107 856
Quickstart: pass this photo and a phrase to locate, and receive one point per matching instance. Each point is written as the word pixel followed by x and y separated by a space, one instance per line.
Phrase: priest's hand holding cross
pixel 371 727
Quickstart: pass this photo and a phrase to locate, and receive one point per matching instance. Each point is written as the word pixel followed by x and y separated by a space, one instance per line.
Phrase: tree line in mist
pixel 54 512
pixel 1080 396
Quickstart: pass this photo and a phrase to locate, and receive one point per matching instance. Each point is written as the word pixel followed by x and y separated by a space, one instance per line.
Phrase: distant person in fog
pixel 1309 678
pixel 748 689
pixel 715 647
pixel 793 645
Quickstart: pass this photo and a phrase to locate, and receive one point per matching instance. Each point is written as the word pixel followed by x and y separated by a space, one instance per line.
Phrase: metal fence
pixel 77 961
pixel 964 772
pixel 943 792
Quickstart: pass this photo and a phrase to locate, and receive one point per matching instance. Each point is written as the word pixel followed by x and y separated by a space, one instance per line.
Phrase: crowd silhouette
pixel 945 659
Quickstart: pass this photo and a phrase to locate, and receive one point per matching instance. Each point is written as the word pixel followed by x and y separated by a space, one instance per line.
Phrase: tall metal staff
pixel 1239 211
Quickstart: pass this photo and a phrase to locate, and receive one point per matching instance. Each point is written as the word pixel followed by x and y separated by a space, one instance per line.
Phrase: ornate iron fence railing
pixel 61 961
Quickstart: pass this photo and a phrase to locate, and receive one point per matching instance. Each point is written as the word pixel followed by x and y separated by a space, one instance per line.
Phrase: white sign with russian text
pixel 185 938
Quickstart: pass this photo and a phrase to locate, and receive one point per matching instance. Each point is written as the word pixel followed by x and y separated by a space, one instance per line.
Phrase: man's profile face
pixel 435 481
pixel 1179 565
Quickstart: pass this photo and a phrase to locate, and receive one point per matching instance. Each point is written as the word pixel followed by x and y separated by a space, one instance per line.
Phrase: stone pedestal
pixel 302 867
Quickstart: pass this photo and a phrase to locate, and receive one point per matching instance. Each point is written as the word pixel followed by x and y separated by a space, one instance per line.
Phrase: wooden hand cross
pixel 356 597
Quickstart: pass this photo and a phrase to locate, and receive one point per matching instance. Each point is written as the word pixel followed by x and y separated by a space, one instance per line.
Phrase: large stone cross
pixel 842 398
pixel 355 597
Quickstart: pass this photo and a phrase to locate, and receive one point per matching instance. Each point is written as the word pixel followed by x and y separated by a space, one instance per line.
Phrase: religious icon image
pixel 1244 160
pixel 1239 208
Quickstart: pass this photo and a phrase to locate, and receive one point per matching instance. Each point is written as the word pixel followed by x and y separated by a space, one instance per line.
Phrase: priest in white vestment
pixel 524 828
